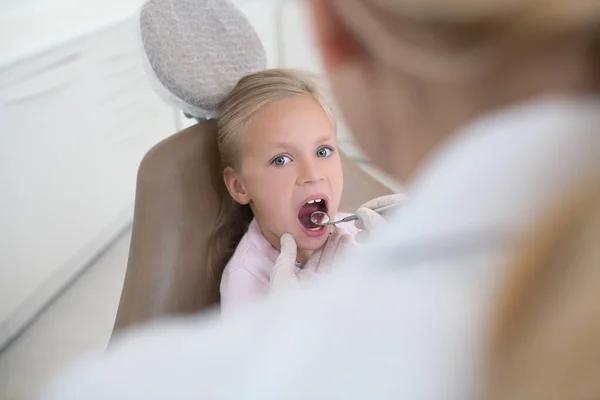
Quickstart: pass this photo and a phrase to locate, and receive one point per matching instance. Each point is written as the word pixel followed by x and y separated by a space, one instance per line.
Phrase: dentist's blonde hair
pixel 460 39
pixel 545 336
pixel 252 93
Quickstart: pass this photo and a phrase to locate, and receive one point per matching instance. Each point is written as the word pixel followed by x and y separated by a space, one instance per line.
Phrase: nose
pixel 310 173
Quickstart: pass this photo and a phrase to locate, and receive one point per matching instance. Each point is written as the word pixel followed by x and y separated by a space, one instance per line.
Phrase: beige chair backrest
pixel 177 201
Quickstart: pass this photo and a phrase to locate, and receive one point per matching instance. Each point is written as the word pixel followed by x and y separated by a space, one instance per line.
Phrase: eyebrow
pixel 321 140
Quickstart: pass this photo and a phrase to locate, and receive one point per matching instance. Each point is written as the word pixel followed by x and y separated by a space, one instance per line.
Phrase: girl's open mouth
pixel 308 209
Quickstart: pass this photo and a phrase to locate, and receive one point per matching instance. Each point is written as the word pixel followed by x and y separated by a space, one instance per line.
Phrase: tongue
pixel 308 209
pixel 304 215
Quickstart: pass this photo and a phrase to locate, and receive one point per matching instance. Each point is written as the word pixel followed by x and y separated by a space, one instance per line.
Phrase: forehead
pixel 296 120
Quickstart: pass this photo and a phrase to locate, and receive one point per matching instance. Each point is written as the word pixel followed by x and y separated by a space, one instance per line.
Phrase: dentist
pixel 488 111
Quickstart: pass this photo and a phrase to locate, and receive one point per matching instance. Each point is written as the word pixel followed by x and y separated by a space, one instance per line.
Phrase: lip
pixel 314 233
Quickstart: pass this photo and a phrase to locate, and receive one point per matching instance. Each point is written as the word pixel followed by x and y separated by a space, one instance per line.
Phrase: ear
pixel 235 186
pixel 337 45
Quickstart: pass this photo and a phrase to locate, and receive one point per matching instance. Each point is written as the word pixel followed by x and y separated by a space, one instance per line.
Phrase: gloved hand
pixel 368 220
pixel 323 259
pixel 284 272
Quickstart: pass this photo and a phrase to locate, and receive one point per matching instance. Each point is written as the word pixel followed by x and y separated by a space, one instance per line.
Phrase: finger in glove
pixel 330 250
pixel 284 268
pixel 379 202
pixel 315 259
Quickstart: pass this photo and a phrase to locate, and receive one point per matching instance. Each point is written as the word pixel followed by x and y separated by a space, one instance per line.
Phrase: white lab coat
pixel 404 317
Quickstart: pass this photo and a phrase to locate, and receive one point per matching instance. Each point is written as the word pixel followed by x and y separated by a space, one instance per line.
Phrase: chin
pixel 310 244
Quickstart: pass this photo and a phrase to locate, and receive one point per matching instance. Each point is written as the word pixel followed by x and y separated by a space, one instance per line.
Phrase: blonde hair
pixel 252 93
pixel 462 38
pixel 545 341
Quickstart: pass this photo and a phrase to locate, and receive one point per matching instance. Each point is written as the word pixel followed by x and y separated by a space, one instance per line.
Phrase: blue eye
pixel 324 152
pixel 281 160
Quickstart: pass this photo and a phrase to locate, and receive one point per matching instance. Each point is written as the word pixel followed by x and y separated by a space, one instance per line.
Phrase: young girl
pixel 277 142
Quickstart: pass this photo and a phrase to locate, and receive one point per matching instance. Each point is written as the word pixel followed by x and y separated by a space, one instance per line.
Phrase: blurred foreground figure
pixel 546 332
pixel 489 112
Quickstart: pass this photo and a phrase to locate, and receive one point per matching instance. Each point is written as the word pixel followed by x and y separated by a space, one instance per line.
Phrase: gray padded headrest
pixel 197 50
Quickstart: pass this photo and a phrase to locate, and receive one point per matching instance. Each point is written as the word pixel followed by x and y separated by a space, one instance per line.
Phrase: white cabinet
pixel 74 124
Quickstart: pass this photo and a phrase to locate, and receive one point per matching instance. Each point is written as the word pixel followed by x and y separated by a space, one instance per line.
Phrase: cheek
pixel 334 166
pixel 269 191
pixel 336 177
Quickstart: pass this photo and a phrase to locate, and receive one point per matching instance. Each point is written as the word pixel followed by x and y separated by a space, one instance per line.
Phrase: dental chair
pixel 195 52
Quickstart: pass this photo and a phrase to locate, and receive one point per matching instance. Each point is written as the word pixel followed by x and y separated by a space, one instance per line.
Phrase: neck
pixel 302 255
pixel 565 68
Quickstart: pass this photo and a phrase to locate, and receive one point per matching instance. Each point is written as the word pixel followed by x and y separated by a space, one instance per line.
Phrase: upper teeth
pixel 314 201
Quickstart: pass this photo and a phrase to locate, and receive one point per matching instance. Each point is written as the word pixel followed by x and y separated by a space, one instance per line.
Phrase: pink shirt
pixel 246 276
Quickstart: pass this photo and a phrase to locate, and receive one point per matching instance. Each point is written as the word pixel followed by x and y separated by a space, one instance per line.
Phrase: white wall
pixel 28 27
pixel 75 120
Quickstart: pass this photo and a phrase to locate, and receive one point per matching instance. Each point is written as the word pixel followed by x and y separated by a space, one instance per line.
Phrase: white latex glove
pixel 284 271
pixel 368 220
pixel 323 259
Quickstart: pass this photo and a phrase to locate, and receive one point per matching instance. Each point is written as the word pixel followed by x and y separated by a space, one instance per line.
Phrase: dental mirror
pixel 321 218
